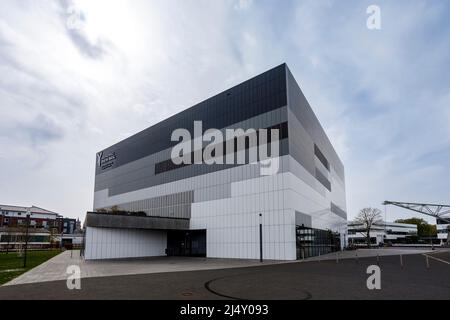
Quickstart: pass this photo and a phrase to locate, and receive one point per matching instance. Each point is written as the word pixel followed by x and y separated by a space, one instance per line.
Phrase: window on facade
pixel 313 242
pixel 168 165
pixel 323 180
pixel 321 157
pixel 337 210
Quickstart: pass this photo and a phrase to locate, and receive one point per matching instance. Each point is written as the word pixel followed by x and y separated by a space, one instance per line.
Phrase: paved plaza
pixel 326 279
pixel 56 268
pixel 405 274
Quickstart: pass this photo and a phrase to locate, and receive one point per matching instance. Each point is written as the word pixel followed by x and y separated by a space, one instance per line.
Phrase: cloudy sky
pixel 78 76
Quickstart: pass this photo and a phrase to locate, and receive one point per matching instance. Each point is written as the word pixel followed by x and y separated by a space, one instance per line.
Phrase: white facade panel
pixel 105 243
pixel 232 223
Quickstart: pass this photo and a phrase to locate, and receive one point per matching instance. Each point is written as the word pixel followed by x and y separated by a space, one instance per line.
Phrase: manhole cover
pixel 187 294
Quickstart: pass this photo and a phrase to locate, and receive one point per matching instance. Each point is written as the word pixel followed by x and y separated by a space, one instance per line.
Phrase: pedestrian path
pixel 56 268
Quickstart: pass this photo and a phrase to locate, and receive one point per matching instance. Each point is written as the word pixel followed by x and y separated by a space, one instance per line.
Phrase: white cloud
pixel 243 4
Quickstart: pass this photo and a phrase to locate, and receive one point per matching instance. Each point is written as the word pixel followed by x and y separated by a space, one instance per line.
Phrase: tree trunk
pixel 368 238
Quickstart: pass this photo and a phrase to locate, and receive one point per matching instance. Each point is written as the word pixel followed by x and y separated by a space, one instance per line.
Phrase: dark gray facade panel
pixel 321 157
pixel 221 191
pixel 322 179
pixel 144 169
pixel 337 210
pixel 258 95
pixel 131 222
pixel 302 219
pixel 176 205
pixel 301 145
pixel 141 167
pixel 324 171
pixel 117 187
pixel 305 115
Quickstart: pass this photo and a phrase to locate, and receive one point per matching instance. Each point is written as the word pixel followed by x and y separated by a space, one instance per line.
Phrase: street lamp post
pixel 26 238
pixel 61 228
pixel 431 240
pixel 260 239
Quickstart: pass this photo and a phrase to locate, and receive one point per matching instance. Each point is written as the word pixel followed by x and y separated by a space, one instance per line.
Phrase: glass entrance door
pixel 188 243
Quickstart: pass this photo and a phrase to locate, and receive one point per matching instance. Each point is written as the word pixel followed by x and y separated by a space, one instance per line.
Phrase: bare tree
pixel 20 238
pixel 9 234
pixel 368 217
pixel 52 235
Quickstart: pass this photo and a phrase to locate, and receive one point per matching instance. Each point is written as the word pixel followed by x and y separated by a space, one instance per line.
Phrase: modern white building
pixel 443 230
pixel 13 220
pixel 147 205
pixel 44 226
pixel 381 232
pixel 13 216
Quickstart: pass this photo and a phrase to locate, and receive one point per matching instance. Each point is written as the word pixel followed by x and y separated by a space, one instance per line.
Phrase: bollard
pixel 378 259
pixel 401 261
pixel 303 254
pixel 428 262
pixel 356 258
pixel 319 256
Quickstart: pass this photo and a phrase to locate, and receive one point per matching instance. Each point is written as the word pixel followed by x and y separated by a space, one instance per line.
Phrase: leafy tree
pixel 424 229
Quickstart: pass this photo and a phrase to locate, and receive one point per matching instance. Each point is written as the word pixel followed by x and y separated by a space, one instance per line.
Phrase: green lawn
pixel 12 261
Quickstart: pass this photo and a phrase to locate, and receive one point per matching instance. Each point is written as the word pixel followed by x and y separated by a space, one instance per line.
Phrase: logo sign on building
pixel 105 162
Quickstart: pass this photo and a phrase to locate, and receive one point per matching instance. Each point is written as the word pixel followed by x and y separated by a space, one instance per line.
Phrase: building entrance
pixel 186 243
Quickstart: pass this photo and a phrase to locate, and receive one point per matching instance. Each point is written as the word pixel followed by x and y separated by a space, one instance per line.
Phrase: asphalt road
pixel 292 281
pixel 442 255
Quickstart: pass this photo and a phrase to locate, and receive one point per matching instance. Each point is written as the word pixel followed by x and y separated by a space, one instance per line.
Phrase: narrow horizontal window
pixel 321 157
pixel 323 180
pixel 168 165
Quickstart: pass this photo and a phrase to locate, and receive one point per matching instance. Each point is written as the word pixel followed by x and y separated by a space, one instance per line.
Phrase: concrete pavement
pixel 293 281
pixel 55 268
